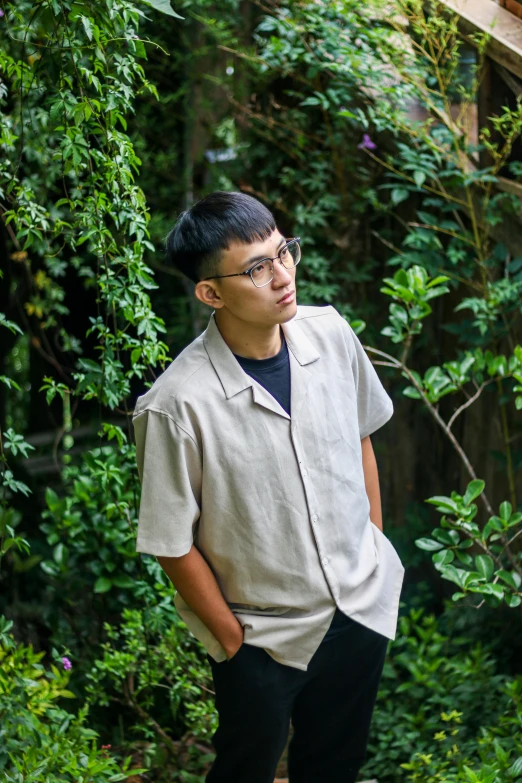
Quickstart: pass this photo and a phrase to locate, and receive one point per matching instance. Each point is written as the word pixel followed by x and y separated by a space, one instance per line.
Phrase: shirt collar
pixel 230 373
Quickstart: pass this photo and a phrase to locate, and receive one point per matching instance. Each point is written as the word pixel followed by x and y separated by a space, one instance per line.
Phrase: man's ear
pixel 207 293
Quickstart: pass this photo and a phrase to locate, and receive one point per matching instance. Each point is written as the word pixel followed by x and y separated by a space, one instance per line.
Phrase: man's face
pixel 241 298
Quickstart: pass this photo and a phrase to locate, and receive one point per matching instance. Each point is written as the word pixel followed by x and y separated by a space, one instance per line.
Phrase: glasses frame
pixel 289 240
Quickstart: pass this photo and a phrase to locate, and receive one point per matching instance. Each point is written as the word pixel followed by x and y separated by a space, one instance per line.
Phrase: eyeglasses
pixel 262 272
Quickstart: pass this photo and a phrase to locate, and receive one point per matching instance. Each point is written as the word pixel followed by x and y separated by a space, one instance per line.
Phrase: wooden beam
pixel 514 6
pixel 512 82
pixel 505 29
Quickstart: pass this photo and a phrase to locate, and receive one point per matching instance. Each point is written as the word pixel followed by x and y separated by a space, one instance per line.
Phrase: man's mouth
pixel 286 296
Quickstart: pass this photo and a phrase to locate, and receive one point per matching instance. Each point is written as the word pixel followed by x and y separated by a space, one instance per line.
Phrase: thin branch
pixel 468 403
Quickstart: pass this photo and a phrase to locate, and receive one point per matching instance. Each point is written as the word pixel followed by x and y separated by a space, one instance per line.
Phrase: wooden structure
pixel 515 6
pixel 501 85
pixel 504 27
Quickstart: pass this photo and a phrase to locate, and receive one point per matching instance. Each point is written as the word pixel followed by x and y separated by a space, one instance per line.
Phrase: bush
pixel 154 670
pixel 496 756
pixel 435 686
pixel 41 742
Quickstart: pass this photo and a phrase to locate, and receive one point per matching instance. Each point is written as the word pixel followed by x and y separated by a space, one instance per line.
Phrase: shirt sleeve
pixel 374 404
pixel 169 468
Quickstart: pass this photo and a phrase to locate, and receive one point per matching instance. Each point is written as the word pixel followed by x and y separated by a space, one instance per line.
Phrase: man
pixel 260 498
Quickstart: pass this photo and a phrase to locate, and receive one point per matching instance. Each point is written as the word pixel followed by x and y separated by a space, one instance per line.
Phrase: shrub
pixel 40 741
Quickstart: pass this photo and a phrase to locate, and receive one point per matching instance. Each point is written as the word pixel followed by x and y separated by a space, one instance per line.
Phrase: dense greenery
pixel 352 124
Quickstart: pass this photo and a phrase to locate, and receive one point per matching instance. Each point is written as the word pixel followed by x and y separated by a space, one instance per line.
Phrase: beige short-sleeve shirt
pixel 276 504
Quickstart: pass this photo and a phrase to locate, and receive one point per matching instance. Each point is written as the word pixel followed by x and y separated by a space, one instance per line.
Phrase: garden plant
pixel 351 122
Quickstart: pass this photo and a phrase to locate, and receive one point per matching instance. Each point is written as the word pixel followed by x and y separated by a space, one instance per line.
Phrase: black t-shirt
pixel 274 375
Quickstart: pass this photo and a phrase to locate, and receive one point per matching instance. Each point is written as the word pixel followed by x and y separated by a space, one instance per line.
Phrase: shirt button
pixel 305 472
pixel 325 561
pixel 314 518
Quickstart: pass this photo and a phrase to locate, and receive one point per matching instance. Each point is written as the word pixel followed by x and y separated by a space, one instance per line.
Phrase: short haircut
pixel 201 233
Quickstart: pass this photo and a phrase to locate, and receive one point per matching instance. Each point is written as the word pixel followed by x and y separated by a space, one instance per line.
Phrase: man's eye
pixel 257 270
pixel 284 253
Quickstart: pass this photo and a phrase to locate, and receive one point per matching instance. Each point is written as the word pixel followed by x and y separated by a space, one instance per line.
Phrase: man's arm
pixel 371 480
pixel 193 579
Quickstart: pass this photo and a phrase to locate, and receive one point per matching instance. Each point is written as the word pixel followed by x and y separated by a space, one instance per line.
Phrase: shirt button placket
pixel 314 517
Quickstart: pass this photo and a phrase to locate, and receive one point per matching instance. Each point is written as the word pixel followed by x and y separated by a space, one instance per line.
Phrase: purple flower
pixel 367 143
pixel 1 12
pixel 66 663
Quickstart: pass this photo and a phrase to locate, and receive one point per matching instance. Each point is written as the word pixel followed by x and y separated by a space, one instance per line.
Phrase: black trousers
pixel 330 706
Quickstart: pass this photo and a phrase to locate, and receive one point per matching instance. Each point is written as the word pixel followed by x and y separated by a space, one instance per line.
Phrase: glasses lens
pixel 291 254
pixel 262 273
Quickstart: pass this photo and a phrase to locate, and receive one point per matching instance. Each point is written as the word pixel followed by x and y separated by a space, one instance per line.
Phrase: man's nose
pixel 282 275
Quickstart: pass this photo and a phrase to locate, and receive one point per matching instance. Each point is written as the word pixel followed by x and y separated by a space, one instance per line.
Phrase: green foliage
pixel 148 653
pixel 442 706
pixel 104 208
pixel 493 573
pixel 9 519
pixel 74 203
pixel 496 759
pixel 92 529
pixel 40 741
pixel 414 289
pixel 316 124
pixel 297 133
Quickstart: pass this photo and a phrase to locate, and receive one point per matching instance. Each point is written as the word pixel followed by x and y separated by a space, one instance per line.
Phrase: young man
pixel 260 498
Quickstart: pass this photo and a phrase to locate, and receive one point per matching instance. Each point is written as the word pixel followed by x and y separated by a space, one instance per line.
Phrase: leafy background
pixel 359 127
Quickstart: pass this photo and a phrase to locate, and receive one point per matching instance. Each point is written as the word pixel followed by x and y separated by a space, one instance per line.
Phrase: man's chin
pixel 288 313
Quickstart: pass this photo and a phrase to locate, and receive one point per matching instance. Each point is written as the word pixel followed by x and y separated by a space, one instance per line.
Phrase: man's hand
pixel 195 582
pixel 234 648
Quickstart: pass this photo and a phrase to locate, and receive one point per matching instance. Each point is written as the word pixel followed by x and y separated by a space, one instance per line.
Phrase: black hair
pixel 200 233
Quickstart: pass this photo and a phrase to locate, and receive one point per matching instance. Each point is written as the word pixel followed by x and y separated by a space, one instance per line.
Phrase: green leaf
pixel 446 537
pixel 464 557
pixel 470 577
pixel 163 6
pixel 473 490
pixel 485 566
pixel 508 578
pixel 123 580
pixel 457 575
pixel 443 558
pixel 492 590
pixel 140 51
pixel 8 543
pixel 436 281
pixel 9 382
pixel 443 503
pixel 412 392
pixel 500 752
pixel 397 195
pixel 59 553
pixel 428 544
pixel 505 510
pixel 516 767
pixel 457 596
pixel 399 313
pixel 493 523
pixel 102 584
pixel 51 498
pixel 87 26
